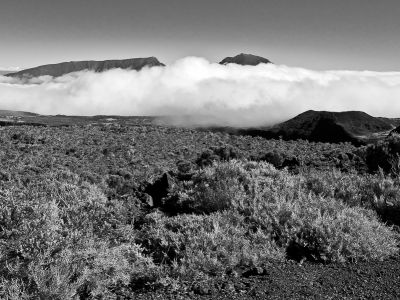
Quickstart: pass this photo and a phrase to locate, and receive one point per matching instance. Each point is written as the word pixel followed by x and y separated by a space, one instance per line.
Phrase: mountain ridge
pixel 59 69
pixel 63 68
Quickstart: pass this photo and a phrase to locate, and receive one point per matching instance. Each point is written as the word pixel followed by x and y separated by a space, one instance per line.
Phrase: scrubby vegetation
pixel 385 155
pixel 100 211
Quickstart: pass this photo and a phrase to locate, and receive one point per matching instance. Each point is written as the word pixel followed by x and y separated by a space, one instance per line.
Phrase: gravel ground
pixel 290 280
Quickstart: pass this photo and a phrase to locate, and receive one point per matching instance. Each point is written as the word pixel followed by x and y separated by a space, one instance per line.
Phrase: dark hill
pixel 355 123
pixel 395 122
pixel 245 60
pixel 322 126
pixel 60 69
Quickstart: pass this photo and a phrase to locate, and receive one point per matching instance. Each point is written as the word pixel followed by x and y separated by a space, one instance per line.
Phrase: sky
pixel 314 34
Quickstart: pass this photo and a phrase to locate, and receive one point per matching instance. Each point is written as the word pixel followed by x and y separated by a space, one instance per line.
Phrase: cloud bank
pixel 193 90
pixel 10 69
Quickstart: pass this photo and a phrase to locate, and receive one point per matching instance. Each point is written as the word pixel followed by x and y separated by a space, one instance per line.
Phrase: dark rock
pixel 245 60
pixel 300 253
pixel 254 272
pixel 202 289
pixel 148 200
pixel 185 170
pixel 291 162
pixel 159 189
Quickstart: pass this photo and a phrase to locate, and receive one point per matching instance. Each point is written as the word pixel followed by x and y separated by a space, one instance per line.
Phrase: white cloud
pixel 10 69
pixel 227 95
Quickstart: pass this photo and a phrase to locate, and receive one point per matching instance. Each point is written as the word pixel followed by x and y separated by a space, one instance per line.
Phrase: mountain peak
pixel 63 68
pixel 245 60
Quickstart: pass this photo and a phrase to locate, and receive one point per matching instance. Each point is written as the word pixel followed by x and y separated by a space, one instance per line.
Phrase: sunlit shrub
pixel 207 245
pixel 377 192
pixel 45 234
pixel 280 204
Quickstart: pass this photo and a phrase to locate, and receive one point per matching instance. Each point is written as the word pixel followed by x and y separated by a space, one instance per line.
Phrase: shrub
pixel 386 198
pixel 377 192
pixel 223 153
pixel 108 268
pixel 275 158
pixel 206 245
pixel 61 236
pixel 93 268
pixel 385 155
pixel 324 229
pixel 13 289
pixel 280 204
pixel 210 189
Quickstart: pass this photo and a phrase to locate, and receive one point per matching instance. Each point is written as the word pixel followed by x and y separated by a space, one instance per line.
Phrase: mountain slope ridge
pixel 63 68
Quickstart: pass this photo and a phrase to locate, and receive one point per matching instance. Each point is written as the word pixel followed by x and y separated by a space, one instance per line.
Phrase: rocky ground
pixel 292 280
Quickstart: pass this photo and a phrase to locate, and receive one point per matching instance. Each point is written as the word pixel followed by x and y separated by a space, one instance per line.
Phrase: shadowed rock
pixel 159 189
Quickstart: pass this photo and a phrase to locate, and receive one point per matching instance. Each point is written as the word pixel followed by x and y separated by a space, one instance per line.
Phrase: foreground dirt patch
pixel 366 280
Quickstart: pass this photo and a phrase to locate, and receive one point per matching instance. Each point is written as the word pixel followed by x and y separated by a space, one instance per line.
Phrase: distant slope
pixel 4 72
pixel 60 69
pixel 354 123
pixel 17 118
pixel 15 113
pixel 392 121
pixel 245 60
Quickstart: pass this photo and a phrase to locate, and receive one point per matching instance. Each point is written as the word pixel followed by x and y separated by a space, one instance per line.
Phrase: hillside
pixel 331 126
pixel 245 59
pixel 15 113
pixel 60 69
pixel 322 126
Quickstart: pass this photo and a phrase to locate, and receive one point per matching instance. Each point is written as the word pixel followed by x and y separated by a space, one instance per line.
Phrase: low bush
pixel 209 190
pixel 274 157
pixel 62 237
pixel 384 155
pixel 223 153
pixel 280 204
pixel 200 246
pixel 377 192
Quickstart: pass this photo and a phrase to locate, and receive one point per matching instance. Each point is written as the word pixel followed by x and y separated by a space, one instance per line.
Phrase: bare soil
pixel 292 280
